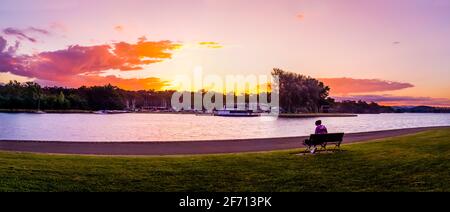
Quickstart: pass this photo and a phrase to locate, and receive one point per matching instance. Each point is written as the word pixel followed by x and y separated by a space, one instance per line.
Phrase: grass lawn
pixel 419 162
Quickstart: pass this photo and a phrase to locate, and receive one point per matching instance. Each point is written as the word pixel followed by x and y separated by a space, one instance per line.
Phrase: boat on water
pixel 236 113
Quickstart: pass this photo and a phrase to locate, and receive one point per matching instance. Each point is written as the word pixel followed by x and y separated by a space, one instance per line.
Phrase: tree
pixel 299 93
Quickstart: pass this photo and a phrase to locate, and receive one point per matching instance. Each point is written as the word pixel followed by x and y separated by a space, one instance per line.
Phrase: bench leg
pixel 307 149
pixel 308 145
pixel 324 146
pixel 338 146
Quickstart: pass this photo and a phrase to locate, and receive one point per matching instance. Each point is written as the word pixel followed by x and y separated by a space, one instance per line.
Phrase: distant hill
pixel 420 109
pixel 360 107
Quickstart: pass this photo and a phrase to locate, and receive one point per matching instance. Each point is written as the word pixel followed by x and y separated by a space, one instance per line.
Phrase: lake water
pixel 174 127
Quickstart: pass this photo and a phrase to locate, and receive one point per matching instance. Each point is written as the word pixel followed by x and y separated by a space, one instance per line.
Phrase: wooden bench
pixel 323 140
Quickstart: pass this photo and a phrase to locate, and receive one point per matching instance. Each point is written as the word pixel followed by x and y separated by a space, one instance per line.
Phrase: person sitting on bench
pixel 320 129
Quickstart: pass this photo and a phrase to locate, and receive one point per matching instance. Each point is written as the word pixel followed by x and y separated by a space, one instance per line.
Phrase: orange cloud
pixel 210 44
pixel 82 65
pixel 143 52
pixel 350 85
pixel 119 28
pixel 300 16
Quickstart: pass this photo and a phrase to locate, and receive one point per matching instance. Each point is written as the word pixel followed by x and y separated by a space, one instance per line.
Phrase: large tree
pixel 299 93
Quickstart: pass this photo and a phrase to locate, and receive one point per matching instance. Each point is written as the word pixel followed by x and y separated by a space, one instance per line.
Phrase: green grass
pixel 419 162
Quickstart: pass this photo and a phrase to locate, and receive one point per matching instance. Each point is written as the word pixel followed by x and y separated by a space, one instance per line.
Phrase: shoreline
pixel 46 111
pixel 187 147
pixel 299 115
pixel 316 115
pixel 281 115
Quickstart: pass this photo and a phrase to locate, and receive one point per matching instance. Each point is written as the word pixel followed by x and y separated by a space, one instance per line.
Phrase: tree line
pixel 297 93
pixel 30 95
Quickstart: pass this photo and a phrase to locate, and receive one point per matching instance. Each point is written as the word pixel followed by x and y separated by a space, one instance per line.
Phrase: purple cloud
pixel 2 44
pixel 42 31
pixel 19 34
pixel 23 34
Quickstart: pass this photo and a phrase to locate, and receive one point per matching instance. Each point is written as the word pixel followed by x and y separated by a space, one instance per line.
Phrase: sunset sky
pixel 395 52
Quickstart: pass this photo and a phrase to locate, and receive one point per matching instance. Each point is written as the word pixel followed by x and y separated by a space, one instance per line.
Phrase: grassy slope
pixel 418 162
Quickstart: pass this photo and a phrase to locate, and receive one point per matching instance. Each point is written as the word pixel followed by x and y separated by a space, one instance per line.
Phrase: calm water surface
pixel 173 127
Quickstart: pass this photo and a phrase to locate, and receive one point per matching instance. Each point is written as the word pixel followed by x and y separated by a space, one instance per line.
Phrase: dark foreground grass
pixel 419 162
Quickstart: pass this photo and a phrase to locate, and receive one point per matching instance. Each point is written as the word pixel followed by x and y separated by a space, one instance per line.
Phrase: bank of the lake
pixel 418 162
pixel 282 115
pixel 315 115
pixel 71 111
pixel 188 147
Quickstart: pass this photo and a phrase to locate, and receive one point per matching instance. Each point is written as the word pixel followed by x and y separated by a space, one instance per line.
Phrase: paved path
pixel 186 147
